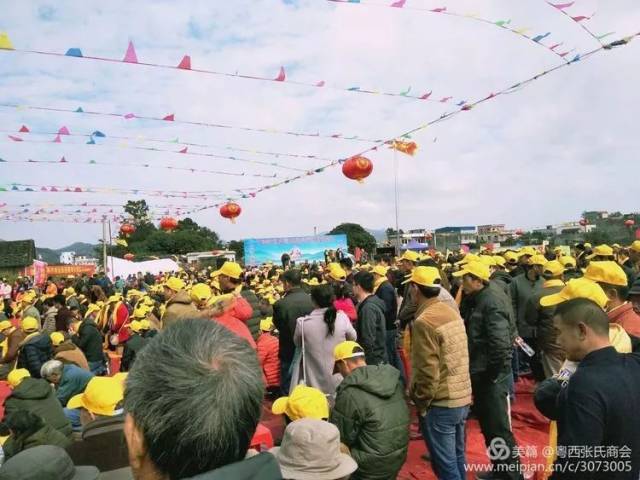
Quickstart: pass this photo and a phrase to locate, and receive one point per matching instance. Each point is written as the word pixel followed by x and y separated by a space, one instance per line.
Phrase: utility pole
pixel 395 172
pixel 104 244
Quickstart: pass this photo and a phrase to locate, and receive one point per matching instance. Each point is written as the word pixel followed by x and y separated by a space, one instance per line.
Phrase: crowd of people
pixel 349 354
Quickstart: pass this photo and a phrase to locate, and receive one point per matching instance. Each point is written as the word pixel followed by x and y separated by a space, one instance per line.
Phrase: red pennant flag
pixel 562 6
pixel 63 160
pixel 439 10
pixel 57 139
pixel 320 83
pixel 129 116
pixel 281 75
pixel 169 118
pixel 445 99
pixel 63 131
pixel 23 129
pixel 184 150
pixel 15 139
pixel 77 190
pixel 130 56
pixel 425 96
pixel 554 46
pixel 399 3
pixel 185 63
pixel 580 18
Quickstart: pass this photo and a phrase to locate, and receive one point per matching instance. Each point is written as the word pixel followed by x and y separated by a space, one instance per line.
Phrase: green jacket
pixel 47 435
pixel 373 419
pixel 37 396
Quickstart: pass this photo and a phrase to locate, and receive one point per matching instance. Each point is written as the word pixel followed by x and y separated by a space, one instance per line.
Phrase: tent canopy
pixel 414 245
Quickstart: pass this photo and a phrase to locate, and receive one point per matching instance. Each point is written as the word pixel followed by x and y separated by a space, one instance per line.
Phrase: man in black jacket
pixel 35 349
pixel 385 292
pixel 491 332
pixel 598 409
pixel 286 311
pixel 371 324
pixel 89 340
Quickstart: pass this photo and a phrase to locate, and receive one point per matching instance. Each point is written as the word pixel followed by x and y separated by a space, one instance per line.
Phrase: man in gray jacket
pixel 371 324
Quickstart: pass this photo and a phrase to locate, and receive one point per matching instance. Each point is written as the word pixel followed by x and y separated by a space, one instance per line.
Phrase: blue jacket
pixel 74 381
pixel 34 352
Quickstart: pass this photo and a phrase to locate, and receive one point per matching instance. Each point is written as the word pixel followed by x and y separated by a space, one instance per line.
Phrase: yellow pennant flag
pixel 5 42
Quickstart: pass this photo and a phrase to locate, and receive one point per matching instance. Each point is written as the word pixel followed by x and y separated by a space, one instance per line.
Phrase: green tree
pixel 238 247
pixel 357 236
pixel 138 210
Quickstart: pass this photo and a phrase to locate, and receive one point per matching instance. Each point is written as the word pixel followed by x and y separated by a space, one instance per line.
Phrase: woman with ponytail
pixel 315 336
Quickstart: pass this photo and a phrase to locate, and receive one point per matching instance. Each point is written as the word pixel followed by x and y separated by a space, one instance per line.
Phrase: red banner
pixel 60 270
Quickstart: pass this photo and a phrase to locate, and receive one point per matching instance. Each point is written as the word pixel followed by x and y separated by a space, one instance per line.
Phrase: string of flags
pixel 579 19
pixel 504 24
pixel 64 161
pixel 172 118
pixel 96 134
pixel 184 151
pixel 131 58
pixel 392 143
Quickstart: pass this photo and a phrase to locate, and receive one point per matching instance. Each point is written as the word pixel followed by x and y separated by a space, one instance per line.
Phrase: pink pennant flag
pixel 439 10
pixel 15 139
pixel 130 56
pixel 57 139
pixel 553 47
pixel 169 118
pixel 320 83
pixel 184 150
pixel 63 131
pixel 426 96
pixel 43 189
pixel 445 99
pixel 129 116
pixel 561 6
pixel 63 160
pixel 580 18
pixel 23 129
pixel 399 3
pixel 53 189
pixel 281 75
pixel 77 190
pixel 185 63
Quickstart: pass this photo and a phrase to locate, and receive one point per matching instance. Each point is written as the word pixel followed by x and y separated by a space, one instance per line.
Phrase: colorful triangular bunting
pixel 130 56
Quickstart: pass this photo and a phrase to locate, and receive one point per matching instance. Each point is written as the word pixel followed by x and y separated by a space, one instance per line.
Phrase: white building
pixel 67 258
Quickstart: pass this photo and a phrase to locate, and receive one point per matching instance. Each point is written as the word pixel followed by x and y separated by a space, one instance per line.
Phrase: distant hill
pixel 379 234
pixel 53 255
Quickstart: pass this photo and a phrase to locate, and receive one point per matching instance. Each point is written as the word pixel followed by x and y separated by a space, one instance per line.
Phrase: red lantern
pixel 428 236
pixel 357 168
pixel 519 232
pixel 168 224
pixel 629 223
pixel 127 229
pixel 129 256
pixel 584 222
pixel 230 210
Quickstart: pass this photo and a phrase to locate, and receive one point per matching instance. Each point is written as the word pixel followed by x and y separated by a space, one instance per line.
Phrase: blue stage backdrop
pixel 262 250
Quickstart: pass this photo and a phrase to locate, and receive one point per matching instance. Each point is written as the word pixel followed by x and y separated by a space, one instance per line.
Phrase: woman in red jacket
pixel 268 348
pixel 233 311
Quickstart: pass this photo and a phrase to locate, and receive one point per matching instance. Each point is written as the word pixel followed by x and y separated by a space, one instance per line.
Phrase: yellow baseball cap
pixel 336 272
pixel 29 324
pixel 538 259
pixel 145 325
pixel 587 245
pixel 380 270
pixel 530 251
pixel 114 298
pixel 133 293
pixel 4 324
pixel 16 376
pixel 28 297
pixel 141 312
pixel 606 272
pixel 477 269
pixel 230 269
pixel 577 288
pixel 266 324
pixel 601 251
pixel 553 268
pixel 135 326
pixel 347 349
pixel 511 257
pixel 567 261
pixel 304 402
pixel 56 338
pixel 93 307
pixel 174 283
pixel 200 292
pixel 410 256
pixel 69 291
pixel 313 282
pixel 425 276
pixel 469 257
pixel 635 246
pixel 499 261
pixel 102 395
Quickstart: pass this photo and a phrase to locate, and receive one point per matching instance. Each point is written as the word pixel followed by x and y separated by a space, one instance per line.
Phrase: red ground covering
pixel 530 427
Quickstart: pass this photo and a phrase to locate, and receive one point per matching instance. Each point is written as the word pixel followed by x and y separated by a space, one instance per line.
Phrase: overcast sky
pixel 564 144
